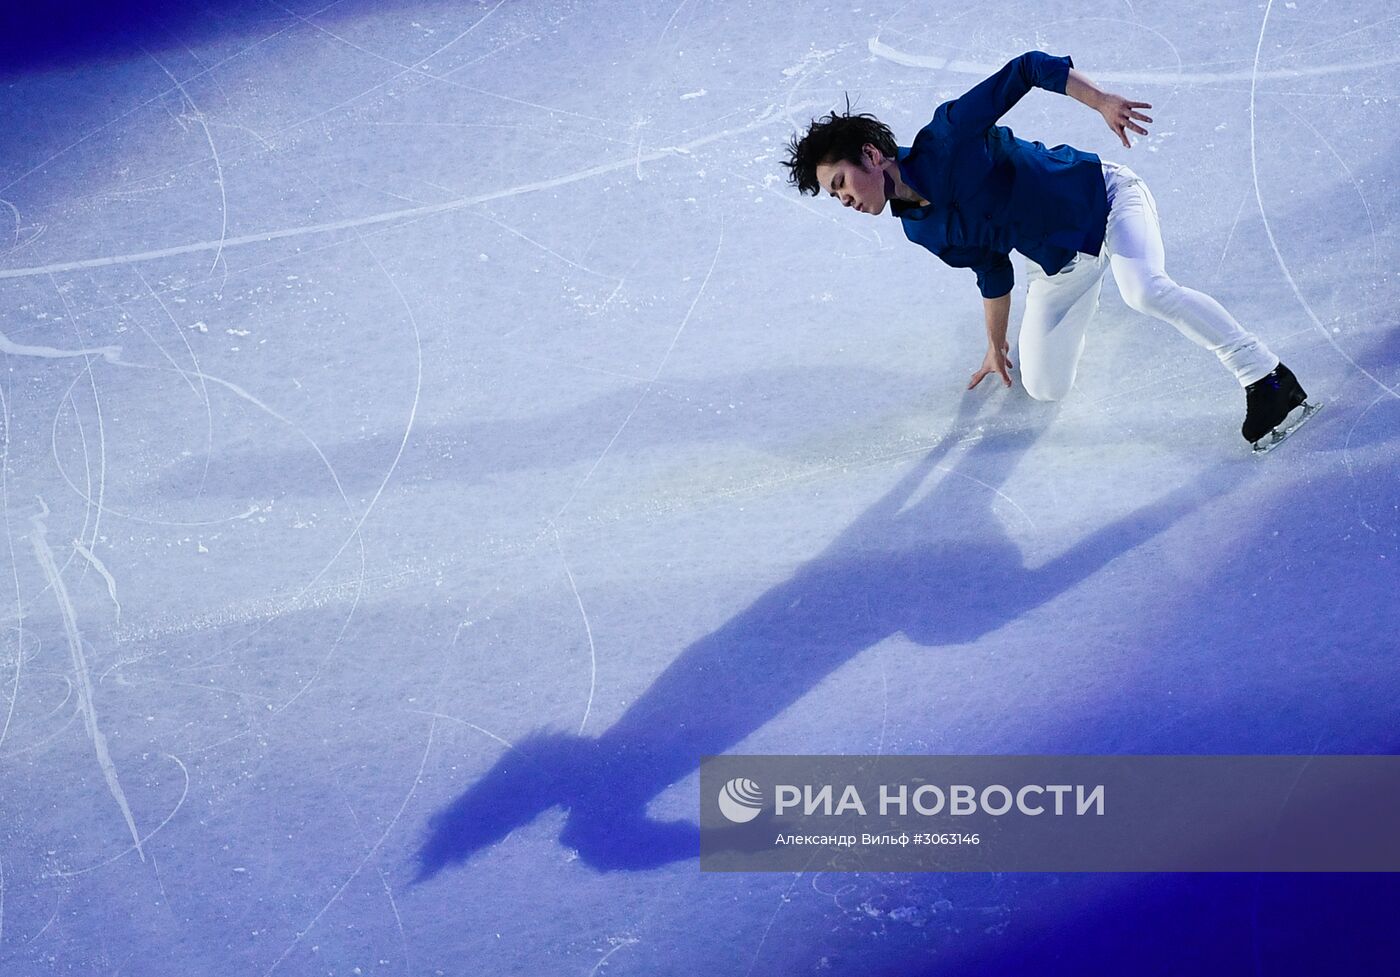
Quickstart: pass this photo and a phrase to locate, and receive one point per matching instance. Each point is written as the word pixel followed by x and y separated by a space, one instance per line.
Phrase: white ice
pixel 407 382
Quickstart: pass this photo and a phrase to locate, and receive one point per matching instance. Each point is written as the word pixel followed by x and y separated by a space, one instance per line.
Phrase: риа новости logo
pixel 740 800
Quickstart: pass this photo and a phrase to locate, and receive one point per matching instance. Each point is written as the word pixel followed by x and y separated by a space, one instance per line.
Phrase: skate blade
pixel 1279 435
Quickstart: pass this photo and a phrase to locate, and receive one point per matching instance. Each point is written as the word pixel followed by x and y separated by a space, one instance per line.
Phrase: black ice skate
pixel 1268 402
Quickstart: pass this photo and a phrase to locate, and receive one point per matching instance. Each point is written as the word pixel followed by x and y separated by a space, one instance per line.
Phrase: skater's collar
pixel 902 208
pixel 906 208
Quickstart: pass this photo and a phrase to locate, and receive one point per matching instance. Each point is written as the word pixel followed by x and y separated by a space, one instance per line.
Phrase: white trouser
pixel 1059 307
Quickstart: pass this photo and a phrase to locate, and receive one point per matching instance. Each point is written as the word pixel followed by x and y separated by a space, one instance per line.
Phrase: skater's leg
pixel 1134 244
pixel 1058 310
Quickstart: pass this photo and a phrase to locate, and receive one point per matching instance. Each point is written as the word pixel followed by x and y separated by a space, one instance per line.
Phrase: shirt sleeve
pixel 995 276
pixel 980 107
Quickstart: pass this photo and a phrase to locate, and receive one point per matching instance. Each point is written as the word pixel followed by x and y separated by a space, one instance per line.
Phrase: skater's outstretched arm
pixel 1116 110
pixel 981 106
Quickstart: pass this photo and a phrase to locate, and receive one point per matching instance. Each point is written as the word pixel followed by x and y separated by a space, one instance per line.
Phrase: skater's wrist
pixel 997 316
pixel 1081 89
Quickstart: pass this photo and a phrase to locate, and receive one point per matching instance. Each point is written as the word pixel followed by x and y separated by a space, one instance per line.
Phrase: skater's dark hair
pixel 832 139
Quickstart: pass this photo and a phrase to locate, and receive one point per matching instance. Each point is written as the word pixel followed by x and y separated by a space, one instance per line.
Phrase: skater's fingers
pixel 978 377
pixel 1138 129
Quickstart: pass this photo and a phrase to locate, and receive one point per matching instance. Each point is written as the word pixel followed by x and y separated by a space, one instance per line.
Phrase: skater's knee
pixel 1148 294
pixel 1046 388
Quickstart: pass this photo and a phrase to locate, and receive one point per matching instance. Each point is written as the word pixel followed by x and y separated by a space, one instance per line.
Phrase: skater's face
pixel 858 186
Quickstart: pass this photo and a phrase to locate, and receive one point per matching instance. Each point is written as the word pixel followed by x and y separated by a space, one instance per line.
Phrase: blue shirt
pixel 990 192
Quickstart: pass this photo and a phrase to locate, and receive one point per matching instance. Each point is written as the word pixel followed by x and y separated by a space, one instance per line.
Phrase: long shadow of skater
pixel 887 573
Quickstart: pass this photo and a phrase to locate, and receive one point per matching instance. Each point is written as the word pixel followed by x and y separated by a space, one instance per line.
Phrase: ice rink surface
pixel 422 420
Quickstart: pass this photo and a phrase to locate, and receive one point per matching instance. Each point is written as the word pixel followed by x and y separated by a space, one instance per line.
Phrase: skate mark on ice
pixel 398 919
pixel 405 69
pixel 1293 50
pixel 1346 459
pixel 198 686
pixel 783 900
pixel 353 535
pixel 567 260
pixel 38 539
pixel 383 881
pixel 982 70
pixel 14 212
pixel 160 884
pixel 202 392
pixel 1176 79
pixel 163 351
pixel 486 55
pixel 662 36
pixel 384 217
pixel 619 943
pixel 58 904
pixel 355 532
pixel 66 401
pixel 714 259
pixel 1220 265
pixel 213 151
pixel 553 132
pixel 121 305
pixel 1356 185
pixel 101 568
pixel 474 25
pixel 14 561
pixel 98 504
pixel 36 745
pixel 413 788
pixel 96 510
pixel 111 354
pixel 884 704
pixel 35 231
pixel 184 793
pixel 462 722
pixel 37 167
pixel 440 79
pixel 1269 231
pixel 991 488
pixel 587 629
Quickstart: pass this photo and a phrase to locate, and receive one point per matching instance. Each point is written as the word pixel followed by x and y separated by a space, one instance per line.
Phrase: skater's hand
pixel 1119 113
pixel 994 362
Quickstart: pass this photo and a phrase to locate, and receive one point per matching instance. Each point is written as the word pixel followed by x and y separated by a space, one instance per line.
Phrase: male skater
pixel 970 192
